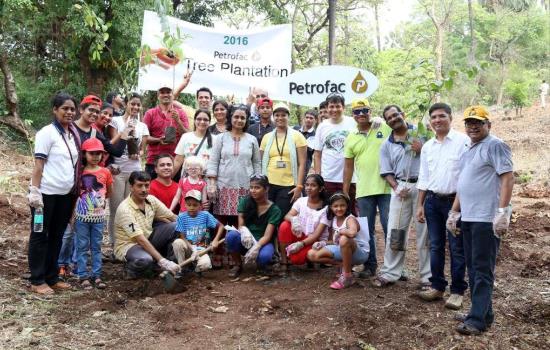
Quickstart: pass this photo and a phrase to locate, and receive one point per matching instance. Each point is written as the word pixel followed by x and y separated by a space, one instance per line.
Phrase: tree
pixel 376 4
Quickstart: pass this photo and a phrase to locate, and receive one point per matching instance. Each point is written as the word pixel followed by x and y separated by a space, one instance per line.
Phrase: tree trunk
pixel 377 20
pixel 439 58
pixel 331 31
pixel 95 78
pixel 501 83
pixel 473 44
pixel 12 119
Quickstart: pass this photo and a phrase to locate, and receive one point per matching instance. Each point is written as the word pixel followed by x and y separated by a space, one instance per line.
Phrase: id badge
pixel 281 164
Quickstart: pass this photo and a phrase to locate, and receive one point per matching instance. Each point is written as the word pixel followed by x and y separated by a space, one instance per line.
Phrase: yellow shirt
pixel 131 222
pixel 282 176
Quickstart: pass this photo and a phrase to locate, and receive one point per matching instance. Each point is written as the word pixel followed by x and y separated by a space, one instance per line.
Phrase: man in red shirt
pixel 163 187
pixel 158 119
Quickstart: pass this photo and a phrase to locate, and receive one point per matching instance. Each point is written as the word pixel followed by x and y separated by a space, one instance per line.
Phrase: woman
pixel 103 122
pixel 53 189
pixel 195 143
pixel 234 158
pixel 258 221
pixel 284 160
pixel 130 160
pixel 220 109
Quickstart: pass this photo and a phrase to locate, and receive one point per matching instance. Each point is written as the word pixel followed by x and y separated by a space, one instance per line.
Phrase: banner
pixel 229 62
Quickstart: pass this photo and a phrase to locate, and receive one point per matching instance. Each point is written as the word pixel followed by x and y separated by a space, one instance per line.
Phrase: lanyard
pixel 280 151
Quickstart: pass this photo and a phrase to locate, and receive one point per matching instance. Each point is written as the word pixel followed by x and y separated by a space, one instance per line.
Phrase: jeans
pixel 367 207
pixel 67 255
pixel 436 211
pixel 234 245
pixel 88 240
pixel 481 248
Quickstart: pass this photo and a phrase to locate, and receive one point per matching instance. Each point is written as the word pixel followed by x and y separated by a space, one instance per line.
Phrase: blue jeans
pixel 88 239
pixel 436 211
pixel 67 255
pixel 481 249
pixel 234 245
pixel 367 207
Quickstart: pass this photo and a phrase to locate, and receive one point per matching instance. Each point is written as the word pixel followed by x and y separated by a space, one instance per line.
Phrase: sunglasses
pixel 360 111
pixel 472 123
pixel 259 177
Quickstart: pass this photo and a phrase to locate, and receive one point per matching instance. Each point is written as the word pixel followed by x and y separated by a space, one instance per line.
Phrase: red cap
pixel 92 145
pixel 91 99
pixel 261 101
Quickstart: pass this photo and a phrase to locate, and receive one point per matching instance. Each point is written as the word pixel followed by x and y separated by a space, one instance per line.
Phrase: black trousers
pixel 44 246
pixel 279 195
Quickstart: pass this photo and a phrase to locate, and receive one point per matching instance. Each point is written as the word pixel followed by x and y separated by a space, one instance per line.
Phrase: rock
pixel 99 313
pixel 219 309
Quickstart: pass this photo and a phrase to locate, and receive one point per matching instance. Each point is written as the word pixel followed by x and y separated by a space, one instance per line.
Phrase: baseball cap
pixel 165 86
pixel 362 102
pixel 92 145
pixel 281 105
pixel 91 99
pixel 267 100
pixel 476 112
pixel 194 194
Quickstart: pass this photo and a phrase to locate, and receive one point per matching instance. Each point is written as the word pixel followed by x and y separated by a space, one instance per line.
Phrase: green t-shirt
pixel 258 224
pixel 365 150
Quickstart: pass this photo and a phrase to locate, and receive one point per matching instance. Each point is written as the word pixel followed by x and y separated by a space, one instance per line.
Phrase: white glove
pixel 247 239
pixel 296 226
pixel 169 266
pixel 452 220
pixel 501 222
pixel 252 254
pixel 336 236
pixel 319 245
pixel 402 191
pixel 35 197
pixel 195 255
pixel 212 192
pixel 294 248
pixel 376 122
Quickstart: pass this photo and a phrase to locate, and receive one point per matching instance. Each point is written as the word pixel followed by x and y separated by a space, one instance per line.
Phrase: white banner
pixel 227 61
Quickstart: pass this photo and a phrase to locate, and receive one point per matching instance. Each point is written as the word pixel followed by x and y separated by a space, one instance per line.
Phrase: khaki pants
pixel 183 250
pixel 121 190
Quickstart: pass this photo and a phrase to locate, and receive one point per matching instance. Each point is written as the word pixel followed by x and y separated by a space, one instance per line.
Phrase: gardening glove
pixel 336 236
pixel 252 254
pixel 319 245
pixel 247 239
pixel 402 192
pixel 294 248
pixel 452 220
pixel 501 221
pixel 376 122
pixel 212 192
pixel 169 266
pixel 35 197
pixel 296 226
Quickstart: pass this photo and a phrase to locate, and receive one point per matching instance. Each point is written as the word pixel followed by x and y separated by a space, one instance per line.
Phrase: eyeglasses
pixel 261 96
pixel 202 120
pixel 470 123
pixel 360 111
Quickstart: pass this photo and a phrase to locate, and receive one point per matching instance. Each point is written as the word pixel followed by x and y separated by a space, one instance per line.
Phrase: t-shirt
pixel 364 148
pixel 310 218
pixel 258 224
pixel 185 185
pixel 329 139
pixel 90 205
pixel 397 159
pixel 282 176
pixel 478 187
pixel 157 122
pixel 164 193
pixel 196 229
pixel 187 146
pixel 258 130
pixel 128 165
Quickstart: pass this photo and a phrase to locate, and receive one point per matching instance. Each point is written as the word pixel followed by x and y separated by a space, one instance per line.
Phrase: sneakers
pixel 467 329
pixel 454 302
pixel 342 282
pixel 430 294
pixel 235 271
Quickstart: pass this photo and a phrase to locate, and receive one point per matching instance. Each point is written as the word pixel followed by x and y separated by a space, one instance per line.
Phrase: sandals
pixel 342 282
pixel 99 284
pixel 381 282
pixel 42 289
pixel 235 271
pixel 86 284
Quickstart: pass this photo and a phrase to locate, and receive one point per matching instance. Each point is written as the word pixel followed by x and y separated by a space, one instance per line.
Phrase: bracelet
pixel 300 187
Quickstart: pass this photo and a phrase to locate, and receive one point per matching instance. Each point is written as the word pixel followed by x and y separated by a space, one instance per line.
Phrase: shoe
pixel 235 271
pixel 454 302
pixel 342 282
pixel 430 294
pixel 461 317
pixel 366 273
pixel 42 289
pixel 99 284
pixel 61 286
pixel 128 274
pixel 467 329
pixel 85 284
pixel 380 282
pixel 404 276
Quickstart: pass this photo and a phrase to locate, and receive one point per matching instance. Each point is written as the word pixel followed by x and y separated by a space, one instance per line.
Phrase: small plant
pixel 524 178
pixel 518 94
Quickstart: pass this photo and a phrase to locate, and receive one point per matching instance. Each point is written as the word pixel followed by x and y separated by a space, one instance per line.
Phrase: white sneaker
pixel 454 302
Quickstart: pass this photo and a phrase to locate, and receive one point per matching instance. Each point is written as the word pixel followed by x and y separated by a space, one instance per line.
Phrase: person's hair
pixel 251 207
pixel 315 115
pixel 185 199
pixel 139 175
pixel 232 111
pixel 336 98
pixel 162 155
pixel 204 88
pixel 224 104
pixel 442 106
pixel 321 183
pixel 193 160
pixel 323 104
pixel 208 134
pixel 335 197
pixel 131 96
pixel 59 99
pixel 110 97
pixel 106 105
pixel 388 107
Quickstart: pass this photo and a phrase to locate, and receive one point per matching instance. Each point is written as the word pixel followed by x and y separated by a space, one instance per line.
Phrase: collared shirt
pixel 157 121
pixel 397 158
pixel 258 131
pixel 439 167
pixel 131 222
pixel 310 139
pixel 478 187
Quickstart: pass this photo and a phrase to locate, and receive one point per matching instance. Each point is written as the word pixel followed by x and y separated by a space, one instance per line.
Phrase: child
pixel 95 186
pixel 299 230
pixel 193 226
pixel 351 241
pixel 193 168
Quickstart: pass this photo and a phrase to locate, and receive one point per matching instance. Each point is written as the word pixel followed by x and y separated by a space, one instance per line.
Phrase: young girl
pixel 351 242
pixel 193 167
pixel 299 230
pixel 95 186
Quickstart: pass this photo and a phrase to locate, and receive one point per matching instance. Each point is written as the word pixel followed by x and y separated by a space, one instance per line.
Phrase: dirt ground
pixel 299 311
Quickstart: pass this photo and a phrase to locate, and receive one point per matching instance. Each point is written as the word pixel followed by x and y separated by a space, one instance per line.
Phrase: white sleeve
pixel 318 144
pixel 424 173
pixel 43 142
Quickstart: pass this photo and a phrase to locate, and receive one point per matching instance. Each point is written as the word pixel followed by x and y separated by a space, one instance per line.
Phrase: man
pixel 543 89
pixel 204 98
pixel 362 154
pixel 323 112
pixel 254 96
pixel 140 244
pixel 158 119
pixel 482 204
pixel 307 129
pixel 163 187
pixel 436 186
pixel 399 165
pixel 258 130
pixel 116 100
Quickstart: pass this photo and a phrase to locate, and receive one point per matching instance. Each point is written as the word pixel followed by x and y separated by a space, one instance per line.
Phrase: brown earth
pixel 299 311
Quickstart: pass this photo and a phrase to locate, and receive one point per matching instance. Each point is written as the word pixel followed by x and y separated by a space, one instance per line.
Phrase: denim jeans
pixel 481 249
pixel 436 211
pixel 88 240
pixel 233 244
pixel 67 255
pixel 367 207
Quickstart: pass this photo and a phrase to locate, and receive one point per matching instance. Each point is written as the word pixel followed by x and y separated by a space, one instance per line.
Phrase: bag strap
pixel 200 145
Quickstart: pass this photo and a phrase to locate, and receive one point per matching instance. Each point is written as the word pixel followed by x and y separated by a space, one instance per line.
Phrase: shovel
pixel 397 236
pixel 168 280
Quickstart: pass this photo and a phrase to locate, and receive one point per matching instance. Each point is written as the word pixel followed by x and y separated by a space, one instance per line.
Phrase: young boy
pixel 193 226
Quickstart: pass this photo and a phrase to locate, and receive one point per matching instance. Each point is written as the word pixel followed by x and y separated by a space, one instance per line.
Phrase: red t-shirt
pixel 157 122
pixel 187 186
pixel 164 193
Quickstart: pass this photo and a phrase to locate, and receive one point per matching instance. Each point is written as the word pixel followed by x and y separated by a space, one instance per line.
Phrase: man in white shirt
pixel 543 89
pixel 437 183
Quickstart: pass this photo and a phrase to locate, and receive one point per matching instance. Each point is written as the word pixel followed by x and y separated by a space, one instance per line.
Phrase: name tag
pixel 281 164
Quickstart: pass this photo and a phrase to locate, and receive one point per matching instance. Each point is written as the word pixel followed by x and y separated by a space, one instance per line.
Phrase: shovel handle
pixel 201 253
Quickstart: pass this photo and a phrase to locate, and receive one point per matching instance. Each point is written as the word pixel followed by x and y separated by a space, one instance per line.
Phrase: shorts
pixel 359 256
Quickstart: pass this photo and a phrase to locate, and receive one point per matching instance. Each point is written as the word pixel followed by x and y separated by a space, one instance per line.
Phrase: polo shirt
pixel 364 149
pixel 131 222
pixel 478 187
pixel 258 131
pixel 60 159
pixel 397 158
pixel 157 122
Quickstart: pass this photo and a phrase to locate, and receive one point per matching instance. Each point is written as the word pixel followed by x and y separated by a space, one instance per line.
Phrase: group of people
pixel 268 193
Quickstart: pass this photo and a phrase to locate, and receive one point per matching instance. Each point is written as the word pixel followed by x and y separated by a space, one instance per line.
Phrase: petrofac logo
pixel 359 85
